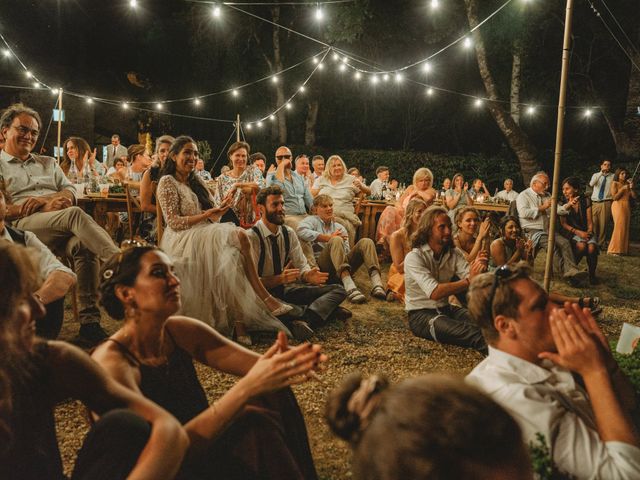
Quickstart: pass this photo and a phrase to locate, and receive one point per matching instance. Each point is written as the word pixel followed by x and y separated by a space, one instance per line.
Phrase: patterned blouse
pixel 244 207
pixel 178 202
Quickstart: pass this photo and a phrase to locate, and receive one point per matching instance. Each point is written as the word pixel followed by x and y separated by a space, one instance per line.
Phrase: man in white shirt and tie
pixel 601 201
pixel 551 368
pixel 534 207
pixel 115 150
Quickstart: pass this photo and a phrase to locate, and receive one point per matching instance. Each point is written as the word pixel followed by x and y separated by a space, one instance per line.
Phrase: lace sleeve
pixel 169 199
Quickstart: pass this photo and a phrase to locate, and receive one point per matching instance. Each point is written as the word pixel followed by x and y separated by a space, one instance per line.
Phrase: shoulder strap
pixel 261 259
pixel 16 235
pixel 287 244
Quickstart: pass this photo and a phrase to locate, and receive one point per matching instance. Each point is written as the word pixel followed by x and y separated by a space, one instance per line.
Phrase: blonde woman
pixel 343 188
pixel 391 218
pixel 400 245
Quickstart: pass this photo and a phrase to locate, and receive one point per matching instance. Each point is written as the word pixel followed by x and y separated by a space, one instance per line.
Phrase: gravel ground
pixel 376 340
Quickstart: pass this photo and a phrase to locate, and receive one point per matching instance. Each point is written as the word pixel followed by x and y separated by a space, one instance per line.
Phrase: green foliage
pixel 630 365
pixel 543 466
pixel 204 150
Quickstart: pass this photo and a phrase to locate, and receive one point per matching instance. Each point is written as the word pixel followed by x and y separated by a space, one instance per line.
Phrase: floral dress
pixel 245 207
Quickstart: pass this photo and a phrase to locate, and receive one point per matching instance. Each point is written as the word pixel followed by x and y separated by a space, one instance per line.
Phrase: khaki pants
pixel 601 212
pixel 293 221
pixel 350 222
pixel 76 234
pixel 334 261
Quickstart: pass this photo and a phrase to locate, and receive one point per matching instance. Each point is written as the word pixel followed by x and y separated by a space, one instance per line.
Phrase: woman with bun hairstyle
pixel 430 427
pixel 255 430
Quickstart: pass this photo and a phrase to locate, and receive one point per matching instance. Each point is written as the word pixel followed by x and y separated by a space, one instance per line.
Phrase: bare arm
pixel 146 193
pixel 396 246
pixel 55 286
pixel 76 375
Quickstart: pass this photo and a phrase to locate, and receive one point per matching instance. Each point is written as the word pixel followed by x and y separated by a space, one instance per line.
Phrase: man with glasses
pixel 551 368
pixel 435 270
pixel 43 201
pixel 297 197
pixel 534 207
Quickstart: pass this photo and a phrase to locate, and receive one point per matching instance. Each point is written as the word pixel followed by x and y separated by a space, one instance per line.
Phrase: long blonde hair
pixel 422 172
pixel 412 206
pixel 327 168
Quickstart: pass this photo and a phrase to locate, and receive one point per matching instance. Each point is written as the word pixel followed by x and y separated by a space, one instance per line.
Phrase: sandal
pixel 391 296
pixel 242 337
pixel 378 292
pixel 593 304
pixel 283 309
pixel 355 296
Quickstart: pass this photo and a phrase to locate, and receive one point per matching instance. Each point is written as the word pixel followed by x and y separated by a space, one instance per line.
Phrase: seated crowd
pixel 275 249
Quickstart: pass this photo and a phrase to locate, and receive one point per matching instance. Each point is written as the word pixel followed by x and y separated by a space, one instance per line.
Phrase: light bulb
pixel 272 117
pixel 125 105
pixel 426 67
pixel 430 91
pixel 54 91
pixel 315 60
pixel 159 106
pixel 6 52
pixel 28 74
pixel 133 3
pixel 259 124
pixel 319 14
pixel 274 79
pixel 385 77
pixel 588 112
pixel 197 101
pixel 478 102
pixel 216 12
pixel 249 126
pixel 342 67
pixel 89 100
pixel 336 57
pixel 374 79
pixel 531 110
pixel 467 43
pixel 288 106
pixel 320 66
pixel 235 92
pixel 398 77
pixel 302 89
pixel 36 84
pixel 434 4
pixel 357 76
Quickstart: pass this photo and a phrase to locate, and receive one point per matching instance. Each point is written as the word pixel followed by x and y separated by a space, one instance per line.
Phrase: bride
pixel 220 283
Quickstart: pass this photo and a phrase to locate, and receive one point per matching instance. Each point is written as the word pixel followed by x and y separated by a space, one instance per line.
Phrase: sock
pixel 347 281
pixel 375 278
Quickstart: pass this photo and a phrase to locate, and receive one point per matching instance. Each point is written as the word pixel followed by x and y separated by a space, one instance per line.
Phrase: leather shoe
pixel 343 314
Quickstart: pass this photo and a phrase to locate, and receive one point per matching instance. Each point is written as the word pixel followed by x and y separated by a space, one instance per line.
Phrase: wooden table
pixel 98 207
pixel 491 207
pixel 369 214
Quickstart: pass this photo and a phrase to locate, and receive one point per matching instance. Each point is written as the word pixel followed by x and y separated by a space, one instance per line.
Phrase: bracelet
pixel 39 297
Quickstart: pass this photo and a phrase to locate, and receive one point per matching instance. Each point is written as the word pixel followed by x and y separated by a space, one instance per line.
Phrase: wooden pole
pixel 559 138
pixel 59 124
pixel 238 128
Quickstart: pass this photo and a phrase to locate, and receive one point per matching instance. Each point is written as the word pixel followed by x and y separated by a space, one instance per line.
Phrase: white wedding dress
pixel 214 285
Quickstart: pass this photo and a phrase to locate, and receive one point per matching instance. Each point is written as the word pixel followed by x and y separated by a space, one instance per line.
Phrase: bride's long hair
pixel 193 180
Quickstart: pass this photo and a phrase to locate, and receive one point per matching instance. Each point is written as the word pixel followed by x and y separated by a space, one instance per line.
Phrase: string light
pixel 315 60
pixel 319 14
pixel 430 91
pixel 302 89
pixel 36 84
pixel 336 57
pixel 235 92
pixel 478 102
pixel 125 105
pixel 321 66
pixel 385 77
pixel 54 91
pixel 28 74
pixel 197 102
pixel 259 124
pixel 248 125
pixel 216 11
pixel 398 77
pixel 434 4
pixel 288 106
pixel 357 76
pixel 467 43
pixel 588 112
pixel 374 79
pixel 133 3
pixel 272 117
pixel 531 110
pixel 342 67
pixel 274 79
pixel 6 52
pixel 159 106
pixel 345 59
pixel 426 67
pixel 89 100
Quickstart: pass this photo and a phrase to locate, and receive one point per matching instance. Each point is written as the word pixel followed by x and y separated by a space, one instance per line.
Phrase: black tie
pixel 275 255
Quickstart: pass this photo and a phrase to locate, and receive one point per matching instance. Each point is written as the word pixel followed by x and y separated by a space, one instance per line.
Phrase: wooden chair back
pixel 134 210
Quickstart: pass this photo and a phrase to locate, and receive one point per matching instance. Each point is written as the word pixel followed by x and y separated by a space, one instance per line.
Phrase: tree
pixel 515 136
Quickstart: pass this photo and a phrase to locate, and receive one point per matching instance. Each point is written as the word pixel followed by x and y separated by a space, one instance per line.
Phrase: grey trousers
pixel 562 253
pixel 450 324
pixel 601 212
pixel 76 234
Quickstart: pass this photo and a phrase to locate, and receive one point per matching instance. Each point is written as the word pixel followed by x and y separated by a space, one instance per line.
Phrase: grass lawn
pixel 377 340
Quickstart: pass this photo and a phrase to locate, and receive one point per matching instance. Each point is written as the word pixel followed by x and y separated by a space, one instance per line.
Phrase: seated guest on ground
pixel 333 255
pixel 151 176
pixel 478 189
pixel 343 188
pixel 391 217
pixel 220 283
pixel 473 235
pixel 297 197
pixel 317 162
pixel 302 169
pixel 534 205
pixel 119 170
pixel 201 172
pixel 508 194
pixel 57 278
pixel 622 192
pixel 133 439
pixel 458 195
pixel 511 247
pixel 42 203
pixel 429 270
pixel 77 150
pixel 281 264
pixel 429 427
pixel 552 369
pixel 259 161
pixel 579 223
pixel 242 183
pixel 400 245
pixel 382 177
pixel 256 429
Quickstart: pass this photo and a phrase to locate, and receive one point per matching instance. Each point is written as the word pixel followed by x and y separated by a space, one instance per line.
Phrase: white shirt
pixel 531 218
pixel 596 182
pixel 509 196
pixel 47 261
pixel 546 399
pixel 296 257
pixel 423 273
pixel 376 188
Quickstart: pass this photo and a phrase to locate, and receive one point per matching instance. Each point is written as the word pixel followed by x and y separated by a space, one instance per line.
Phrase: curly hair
pixel 121 269
pixel 193 180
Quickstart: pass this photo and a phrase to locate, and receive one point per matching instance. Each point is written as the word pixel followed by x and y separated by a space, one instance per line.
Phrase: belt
pixel 601 201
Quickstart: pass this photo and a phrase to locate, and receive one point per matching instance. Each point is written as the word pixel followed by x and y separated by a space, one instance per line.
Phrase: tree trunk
pixel 516 80
pixel 277 66
pixel 311 122
pixel 516 138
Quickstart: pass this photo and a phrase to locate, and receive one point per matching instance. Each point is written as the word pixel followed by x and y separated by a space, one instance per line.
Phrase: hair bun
pixel 349 405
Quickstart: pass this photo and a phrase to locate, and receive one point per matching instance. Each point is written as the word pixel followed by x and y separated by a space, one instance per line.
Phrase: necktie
pixel 602 186
pixel 275 255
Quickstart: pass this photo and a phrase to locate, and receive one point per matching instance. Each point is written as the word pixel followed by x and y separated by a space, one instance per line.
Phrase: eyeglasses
pixel 283 157
pixel 502 273
pixel 24 131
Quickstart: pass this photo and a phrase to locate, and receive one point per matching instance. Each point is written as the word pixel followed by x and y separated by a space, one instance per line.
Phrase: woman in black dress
pixel 255 430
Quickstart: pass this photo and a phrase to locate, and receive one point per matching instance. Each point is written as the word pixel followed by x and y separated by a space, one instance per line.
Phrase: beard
pixel 275 218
